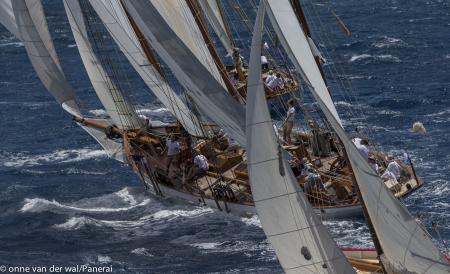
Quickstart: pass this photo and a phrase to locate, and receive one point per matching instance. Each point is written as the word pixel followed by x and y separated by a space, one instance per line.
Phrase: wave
pixel 101 113
pixel 375 58
pixel 103 204
pixel 142 251
pixel 173 214
pixel 252 221
pixel 390 42
pixel 59 156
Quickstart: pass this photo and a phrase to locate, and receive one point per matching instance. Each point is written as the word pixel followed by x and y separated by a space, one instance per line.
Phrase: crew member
pixel 173 150
pixel 264 63
pixel 289 122
pixel 394 167
pixel 362 148
pixel 199 167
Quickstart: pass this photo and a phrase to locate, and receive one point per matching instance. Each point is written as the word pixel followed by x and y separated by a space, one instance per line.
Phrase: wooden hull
pixel 241 209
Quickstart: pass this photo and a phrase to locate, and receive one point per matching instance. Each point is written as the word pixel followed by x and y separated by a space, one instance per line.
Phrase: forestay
pixel 300 240
pixel 33 32
pixel 209 95
pixel 115 19
pixel 296 45
pixel 116 104
pixel 213 14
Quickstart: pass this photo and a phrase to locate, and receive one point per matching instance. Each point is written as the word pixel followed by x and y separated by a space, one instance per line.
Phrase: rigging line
pixel 345 89
pixel 90 50
pixel 159 84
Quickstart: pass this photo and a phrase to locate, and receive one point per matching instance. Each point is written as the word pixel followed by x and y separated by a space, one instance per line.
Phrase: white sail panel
pixel 179 18
pixel 213 14
pixel 7 17
pixel 118 107
pixel 114 18
pixel 407 247
pixel 300 240
pixel 208 94
pixel 296 45
pixel 33 32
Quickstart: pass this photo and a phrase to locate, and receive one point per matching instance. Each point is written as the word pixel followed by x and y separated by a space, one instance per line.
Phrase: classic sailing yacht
pixel 179 36
pixel 300 240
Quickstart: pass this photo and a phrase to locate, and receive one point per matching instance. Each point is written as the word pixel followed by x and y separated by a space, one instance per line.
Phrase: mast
pixel 144 43
pixel 194 7
pixel 304 24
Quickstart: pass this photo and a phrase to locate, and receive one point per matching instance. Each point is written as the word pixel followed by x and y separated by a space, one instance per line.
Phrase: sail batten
pixel 32 30
pixel 300 240
pixel 116 104
pixel 115 19
pixel 207 92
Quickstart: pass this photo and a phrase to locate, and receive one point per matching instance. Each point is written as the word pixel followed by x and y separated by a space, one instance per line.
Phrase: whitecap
pixel 104 259
pixel 142 251
pixel 382 58
pixel 99 112
pixel 59 156
pixel 15 44
pixel 389 42
pixel 360 57
pixel 172 214
pixel 252 221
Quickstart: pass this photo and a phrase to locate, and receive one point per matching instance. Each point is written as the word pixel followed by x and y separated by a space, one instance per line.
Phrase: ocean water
pixel 63 202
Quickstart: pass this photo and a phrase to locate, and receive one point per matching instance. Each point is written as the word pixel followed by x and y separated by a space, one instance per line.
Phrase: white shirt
pixel 291 111
pixel 389 175
pixel 269 79
pixel 264 60
pixel 276 83
pixel 374 166
pixel 172 147
pixel 357 141
pixel 201 162
pixel 364 151
pixel 394 168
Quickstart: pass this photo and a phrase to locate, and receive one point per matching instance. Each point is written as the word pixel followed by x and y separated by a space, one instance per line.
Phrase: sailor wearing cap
pixel 394 167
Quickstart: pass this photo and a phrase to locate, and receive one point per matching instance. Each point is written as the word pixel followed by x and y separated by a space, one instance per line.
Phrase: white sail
pixel 213 14
pixel 296 45
pixel 114 18
pixel 33 32
pixel 299 238
pixel 208 94
pixel 7 17
pixel 180 19
pixel 116 104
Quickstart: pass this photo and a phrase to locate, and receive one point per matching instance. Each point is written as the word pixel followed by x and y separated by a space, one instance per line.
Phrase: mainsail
pixel 407 247
pixel 116 104
pixel 292 38
pixel 298 237
pixel 33 32
pixel 114 18
pixel 207 92
pixel 213 14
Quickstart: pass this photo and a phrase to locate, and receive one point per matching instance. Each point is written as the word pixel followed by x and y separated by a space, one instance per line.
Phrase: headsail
pixel 295 42
pixel 206 91
pixel 7 18
pixel 116 104
pixel 114 18
pixel 33 32
pixel 300 240
pixel 213 14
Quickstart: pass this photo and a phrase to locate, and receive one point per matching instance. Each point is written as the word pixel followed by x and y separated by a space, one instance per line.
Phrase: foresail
pixel 7 18
pixel 406 245
pixel 215 18
pixel 300 240
pixel 33 32
pixel 179 18
pixel 114 18
pixel 296 45
pixel 209 95
pixel 116 104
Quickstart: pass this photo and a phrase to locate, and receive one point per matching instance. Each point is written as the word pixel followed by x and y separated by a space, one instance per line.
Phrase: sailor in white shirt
pixel 264 62
pixel 373 164
pixel 394 167
pixel 289 122
pixel 387 175
pixel 269 78
pixel 362 148
pixel 173 150
pixel 199 168
pixel 277 83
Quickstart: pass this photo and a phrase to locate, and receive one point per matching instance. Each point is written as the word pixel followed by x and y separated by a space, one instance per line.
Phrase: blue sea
pixel 64 203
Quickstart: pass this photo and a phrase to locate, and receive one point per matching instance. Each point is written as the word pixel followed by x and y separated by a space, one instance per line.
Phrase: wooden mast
pixel 304 25
pixel 193 6
pixel 144 43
